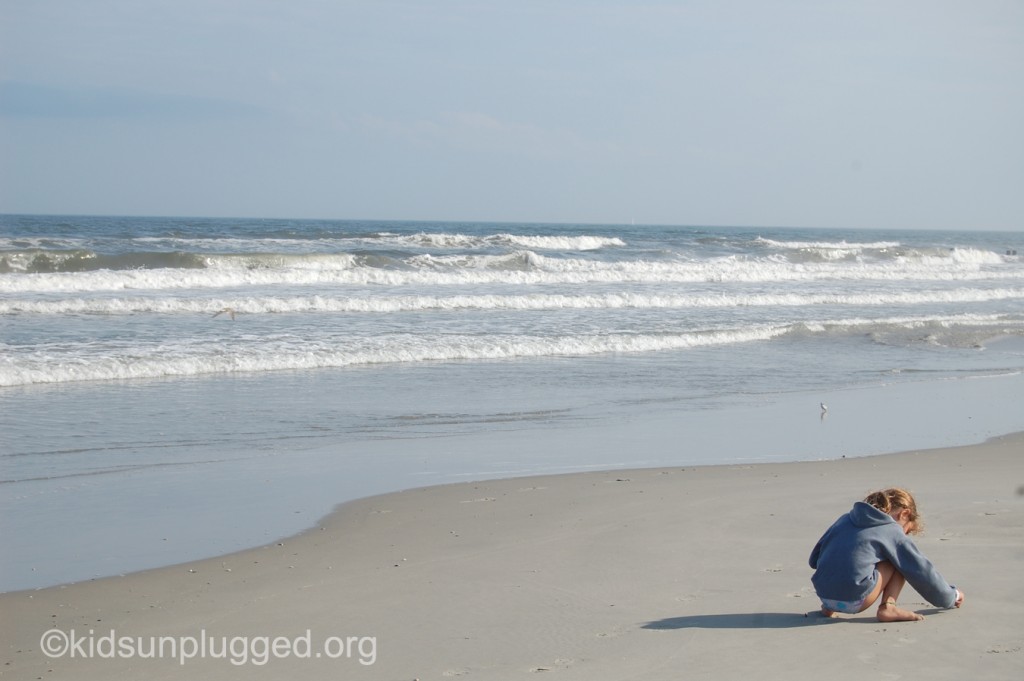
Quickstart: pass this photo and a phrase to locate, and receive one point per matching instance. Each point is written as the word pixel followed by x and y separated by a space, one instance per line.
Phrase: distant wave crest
pixel 521 267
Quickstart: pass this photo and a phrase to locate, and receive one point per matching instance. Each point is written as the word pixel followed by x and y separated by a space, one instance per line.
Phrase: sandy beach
pixel 645 574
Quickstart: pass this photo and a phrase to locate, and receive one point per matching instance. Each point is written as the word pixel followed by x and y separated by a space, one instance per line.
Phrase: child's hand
pixel 959 598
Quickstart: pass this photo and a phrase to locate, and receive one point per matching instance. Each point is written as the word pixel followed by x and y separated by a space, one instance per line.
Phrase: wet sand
pixel 697 572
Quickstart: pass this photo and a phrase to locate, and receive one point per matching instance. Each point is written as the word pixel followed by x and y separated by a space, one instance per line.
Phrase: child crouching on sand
pixel 867 553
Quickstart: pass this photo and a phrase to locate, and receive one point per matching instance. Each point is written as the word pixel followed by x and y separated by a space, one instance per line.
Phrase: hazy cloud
pixel 30 100
pixel 483 133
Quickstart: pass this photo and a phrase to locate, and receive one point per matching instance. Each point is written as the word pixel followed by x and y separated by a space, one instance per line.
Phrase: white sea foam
pixel 972 256
pixel 560 243
pixel 412 303
pixel 539 242
pixel 71 362
pixel 418 240
pixel 290 354
pixel 524 267
pixel 841 245
pixel 320 262
pixel 842 250
pixel 912 322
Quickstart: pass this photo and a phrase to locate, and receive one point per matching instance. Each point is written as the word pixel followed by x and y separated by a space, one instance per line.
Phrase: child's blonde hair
pixel 889 500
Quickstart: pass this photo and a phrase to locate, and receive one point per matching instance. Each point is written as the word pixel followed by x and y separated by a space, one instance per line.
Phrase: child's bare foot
pixel 888 612
pixel 827 613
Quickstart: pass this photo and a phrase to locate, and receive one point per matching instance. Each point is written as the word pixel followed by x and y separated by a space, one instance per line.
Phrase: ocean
pixel 174 388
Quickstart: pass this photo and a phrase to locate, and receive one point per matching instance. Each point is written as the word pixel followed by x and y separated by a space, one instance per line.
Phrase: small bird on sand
pixel 230 311
pixel 824 408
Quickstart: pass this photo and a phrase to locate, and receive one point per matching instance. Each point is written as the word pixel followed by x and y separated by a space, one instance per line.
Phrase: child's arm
pixel 921 574
pixel 813 560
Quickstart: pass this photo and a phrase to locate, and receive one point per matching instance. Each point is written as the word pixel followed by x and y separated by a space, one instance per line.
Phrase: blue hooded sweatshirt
pixel 844 559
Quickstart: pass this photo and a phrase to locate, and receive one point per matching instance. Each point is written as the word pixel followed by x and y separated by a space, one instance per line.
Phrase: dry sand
pixel 680 573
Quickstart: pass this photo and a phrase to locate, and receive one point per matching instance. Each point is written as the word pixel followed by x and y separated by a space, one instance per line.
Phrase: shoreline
pixel 320 524
pixel 236 504
pixel 593 575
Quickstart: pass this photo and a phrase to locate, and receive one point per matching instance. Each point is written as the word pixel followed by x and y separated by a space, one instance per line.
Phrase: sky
pixel 802 113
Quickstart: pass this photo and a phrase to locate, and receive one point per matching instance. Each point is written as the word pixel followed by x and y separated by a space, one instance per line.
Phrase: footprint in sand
pixel 806 591
pixel 1003 649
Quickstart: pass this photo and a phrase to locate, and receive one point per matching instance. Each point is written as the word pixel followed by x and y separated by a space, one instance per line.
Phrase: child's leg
pixel 891 582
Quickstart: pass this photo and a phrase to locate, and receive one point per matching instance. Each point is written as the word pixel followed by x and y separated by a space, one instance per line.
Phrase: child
pixel 867 553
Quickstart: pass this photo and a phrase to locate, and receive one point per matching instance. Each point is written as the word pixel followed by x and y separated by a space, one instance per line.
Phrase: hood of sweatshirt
pixel 866 515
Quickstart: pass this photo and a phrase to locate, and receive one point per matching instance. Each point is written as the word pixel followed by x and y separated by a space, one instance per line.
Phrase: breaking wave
pixel 522 267
pixel 413 303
